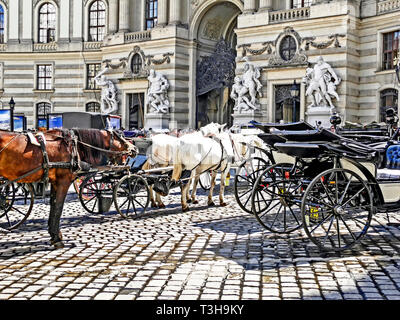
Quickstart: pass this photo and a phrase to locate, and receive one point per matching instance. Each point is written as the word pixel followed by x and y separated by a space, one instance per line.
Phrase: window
pixel 301 3
pixel 288 48
pixel 391 42
pixel 389 99
pixel 92 70
pixel 93 107
pixel 1 24
pixel 136 63
pixel 151 13
pixel 42 110
pixel 97 21
pixel 44 77
pixel 47 23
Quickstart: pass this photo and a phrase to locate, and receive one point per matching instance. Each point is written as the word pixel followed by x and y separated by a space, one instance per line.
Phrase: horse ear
pixel 221 127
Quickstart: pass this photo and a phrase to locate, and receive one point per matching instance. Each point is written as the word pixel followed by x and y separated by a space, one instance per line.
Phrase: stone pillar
pixel 162 13
pixel 27 21
pixel 123 15
pixel 249 6
pixel 64 20
pixel 77 31
pixel 113 17
pixel 174 12
pixel 265 5
pixel 13 22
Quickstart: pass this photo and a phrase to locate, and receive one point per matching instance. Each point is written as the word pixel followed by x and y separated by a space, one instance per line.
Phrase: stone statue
pixel 321 82
pixel 109 102
pixel 245 89
pixel 157 94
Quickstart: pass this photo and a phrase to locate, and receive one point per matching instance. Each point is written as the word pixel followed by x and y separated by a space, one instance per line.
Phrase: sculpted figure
pixel 321 81
pixel 157 94
pixel 246 89
pixel 109 102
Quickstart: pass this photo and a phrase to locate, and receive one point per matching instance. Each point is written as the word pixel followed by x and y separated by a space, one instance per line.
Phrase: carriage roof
pixel 295 126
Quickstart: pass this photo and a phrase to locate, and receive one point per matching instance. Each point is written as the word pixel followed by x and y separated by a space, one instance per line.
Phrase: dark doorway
pixel 287 110
pixel 136 110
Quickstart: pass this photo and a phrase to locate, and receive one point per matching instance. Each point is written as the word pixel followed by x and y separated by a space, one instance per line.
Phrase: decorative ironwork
pixel 218 70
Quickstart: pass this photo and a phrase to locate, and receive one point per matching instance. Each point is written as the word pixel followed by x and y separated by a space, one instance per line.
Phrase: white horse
pixel 163 149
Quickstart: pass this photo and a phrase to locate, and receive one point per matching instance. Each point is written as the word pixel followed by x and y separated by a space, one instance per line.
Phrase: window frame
pixel 135 65
pixel 45 114
pixel 96 104
pixel 90 76
pixel 47 28
pixel 45 77
pixel 388 64
pixel 296 4
pixel 97 26
pixel 150 20
pixel 383 94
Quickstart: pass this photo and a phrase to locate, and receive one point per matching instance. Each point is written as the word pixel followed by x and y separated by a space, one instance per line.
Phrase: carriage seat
pixel 393 157
pixel 137 163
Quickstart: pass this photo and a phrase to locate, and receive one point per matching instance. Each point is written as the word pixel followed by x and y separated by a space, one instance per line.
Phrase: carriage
pixel 330 185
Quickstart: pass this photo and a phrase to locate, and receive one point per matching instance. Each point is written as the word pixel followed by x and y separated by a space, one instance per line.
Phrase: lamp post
pixel 294 92
pixel 12 105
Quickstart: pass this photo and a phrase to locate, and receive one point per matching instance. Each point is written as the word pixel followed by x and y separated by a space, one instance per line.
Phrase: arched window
pixel 93 107
pixel 288 48
pixel 1 24
pixel 151 13
pixel 136 63
pixel 97 21
pixel 389 99
pixel 47 23
pixel 42 110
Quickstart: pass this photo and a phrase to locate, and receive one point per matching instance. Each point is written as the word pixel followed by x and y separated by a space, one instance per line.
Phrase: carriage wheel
pixel 205 180
pixel 16 202
pixel 337 209
pixel 95 192
pixel 131 196
pixel 246 176
pixel 275 199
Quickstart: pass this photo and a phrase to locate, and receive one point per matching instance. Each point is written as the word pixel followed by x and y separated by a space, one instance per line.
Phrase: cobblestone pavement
pixel 207 253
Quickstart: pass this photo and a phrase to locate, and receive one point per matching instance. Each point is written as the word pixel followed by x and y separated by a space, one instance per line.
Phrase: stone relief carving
pixel 109 101
pixel 246 89
pixel 165 59
pixel 143 72
pixel 212 29
pixel 157 94
pixel 333 39
pixel 321 82
pixel 267 48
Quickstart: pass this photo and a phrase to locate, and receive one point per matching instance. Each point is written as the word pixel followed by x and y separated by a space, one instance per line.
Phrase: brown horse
pixel 19 158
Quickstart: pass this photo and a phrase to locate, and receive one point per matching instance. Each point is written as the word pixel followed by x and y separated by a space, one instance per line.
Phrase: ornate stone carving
pixel 212 29
pixel 298 58
pixel 166 58
pixel 123 62
pixel 246 48
pixel 143 72
pixel 333 39
pixel 157 94
pixel 246 89
pixel 109 101
pixel 321 82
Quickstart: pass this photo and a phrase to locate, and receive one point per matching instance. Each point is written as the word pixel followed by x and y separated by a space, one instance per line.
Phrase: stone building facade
pixel 50 51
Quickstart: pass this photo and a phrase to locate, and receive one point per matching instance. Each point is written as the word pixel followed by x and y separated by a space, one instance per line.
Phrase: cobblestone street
pixel 208 253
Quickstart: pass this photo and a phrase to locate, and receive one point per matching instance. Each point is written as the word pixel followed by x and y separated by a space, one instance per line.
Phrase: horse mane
pixel 94 138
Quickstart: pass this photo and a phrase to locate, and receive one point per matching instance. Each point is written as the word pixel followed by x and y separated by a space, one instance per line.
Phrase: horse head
pixel 212 129
pixel 122 146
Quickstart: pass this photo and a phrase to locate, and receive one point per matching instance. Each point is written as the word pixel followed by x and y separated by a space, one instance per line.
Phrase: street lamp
pixel 12 105
pixel 294 92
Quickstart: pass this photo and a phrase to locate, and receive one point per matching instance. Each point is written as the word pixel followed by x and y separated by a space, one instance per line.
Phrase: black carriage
pixel 332 188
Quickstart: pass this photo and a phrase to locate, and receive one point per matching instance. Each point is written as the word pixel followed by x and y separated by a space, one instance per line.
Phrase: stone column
pixel 162 13
pixel 113 17
pixel 27 21
pixel 13 18
pixel 265 5
pixel 249 6
pixel 174 12
pixel 123 15
pixel 77 31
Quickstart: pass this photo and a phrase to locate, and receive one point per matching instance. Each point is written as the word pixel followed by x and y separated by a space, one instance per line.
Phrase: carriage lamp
pixel 12 106
pixel 294 92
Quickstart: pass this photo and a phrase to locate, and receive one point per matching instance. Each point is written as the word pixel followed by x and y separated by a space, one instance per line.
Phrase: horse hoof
pixel 58 245
pixel 185 209
pixel 211 204
pixel 223 204
pixel 195 202
pixel 189 201
pixel 161 206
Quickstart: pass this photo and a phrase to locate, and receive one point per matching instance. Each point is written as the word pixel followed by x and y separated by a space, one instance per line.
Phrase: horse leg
pixel 210 194
pixel 152 201
pixel 57 198
pixel 189 200
pixel 159 202
pixel 184 192
pixel 222 187
pixel 194 191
